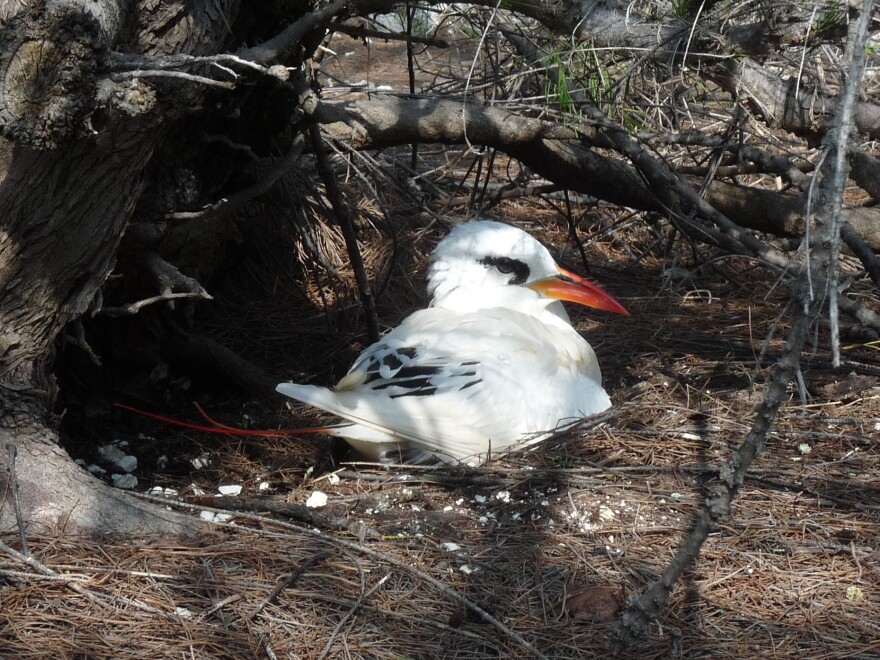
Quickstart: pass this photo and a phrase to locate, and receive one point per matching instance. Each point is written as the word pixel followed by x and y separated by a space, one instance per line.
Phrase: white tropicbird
pixel 491 365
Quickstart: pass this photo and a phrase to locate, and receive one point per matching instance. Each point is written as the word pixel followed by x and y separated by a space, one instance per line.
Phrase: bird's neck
pixel 464 300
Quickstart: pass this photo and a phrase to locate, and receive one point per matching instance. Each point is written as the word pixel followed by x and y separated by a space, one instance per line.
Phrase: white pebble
pixel 316 500
pixel 125 481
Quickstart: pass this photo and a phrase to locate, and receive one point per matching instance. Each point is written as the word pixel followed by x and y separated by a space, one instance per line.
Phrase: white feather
pixel 489 367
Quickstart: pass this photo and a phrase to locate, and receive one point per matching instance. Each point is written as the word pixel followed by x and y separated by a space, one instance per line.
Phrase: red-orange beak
pixel 574 288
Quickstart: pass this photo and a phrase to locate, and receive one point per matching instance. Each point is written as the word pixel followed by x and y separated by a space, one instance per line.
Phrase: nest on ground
pixel 534 551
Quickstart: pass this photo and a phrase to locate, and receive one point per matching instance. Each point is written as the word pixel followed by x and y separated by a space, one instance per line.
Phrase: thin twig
pixel 288 582
pixel 365 550
pixel 837 140
pixel 358 32
pixel 159 73
pixel 340 208
pixel 133 308
pixel 12 450
pixel 233 203
pixel 354 610
pixel 102 600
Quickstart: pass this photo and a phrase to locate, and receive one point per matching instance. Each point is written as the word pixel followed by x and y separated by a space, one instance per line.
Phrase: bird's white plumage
pixel 490 366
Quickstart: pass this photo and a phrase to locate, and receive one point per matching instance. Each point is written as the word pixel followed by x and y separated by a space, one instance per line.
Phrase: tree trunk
pixel 71 160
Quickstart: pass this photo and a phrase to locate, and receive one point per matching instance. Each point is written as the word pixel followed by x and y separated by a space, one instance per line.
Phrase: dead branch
pixel 357 31
pixel 288 39
pixel 554 152
pixel 343 216
pixel 168 279
pixel 783 214
pixel 242 197
pixel 204 355
pixel 133 308
pixel 798 108
pixel 289 581
pixel 815 281
pixel 560 154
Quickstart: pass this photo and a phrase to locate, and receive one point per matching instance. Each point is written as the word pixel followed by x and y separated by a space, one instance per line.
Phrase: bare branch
pixel 238 200
pixel 808 308
pixel 343 215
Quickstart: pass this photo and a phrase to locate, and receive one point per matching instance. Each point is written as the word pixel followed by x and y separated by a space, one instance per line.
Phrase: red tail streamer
pixel 217 427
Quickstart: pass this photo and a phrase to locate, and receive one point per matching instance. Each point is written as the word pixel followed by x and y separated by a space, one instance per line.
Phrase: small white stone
pixel 449 546
pixel 210 516
pixel 201 462
pixel 127 463
pixel 467 569
pixel 230 490
pixel 110 453
pixel 333 478
pixel 690 436
pixel 114 456
pixel 96 469
pixel 159 491
pixel 264 486
pixel 447 508
pixel 183 613
pixel 479 499
pixel 854 594
pixel 125 481
pixel 316 500
pixel 503 496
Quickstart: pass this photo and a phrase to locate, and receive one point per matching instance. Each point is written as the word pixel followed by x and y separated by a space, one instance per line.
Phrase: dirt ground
pixel 535 551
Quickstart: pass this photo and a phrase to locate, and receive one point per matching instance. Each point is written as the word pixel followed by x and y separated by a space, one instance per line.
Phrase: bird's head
pixel 490 264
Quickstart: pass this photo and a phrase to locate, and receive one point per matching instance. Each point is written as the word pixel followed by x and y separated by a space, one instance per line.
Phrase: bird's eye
pixel 505 266
pixel 508 266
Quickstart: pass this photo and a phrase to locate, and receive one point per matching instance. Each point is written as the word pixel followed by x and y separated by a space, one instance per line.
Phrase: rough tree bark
pixel 73 150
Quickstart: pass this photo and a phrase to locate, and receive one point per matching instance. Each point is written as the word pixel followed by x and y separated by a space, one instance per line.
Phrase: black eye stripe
pixel 506 265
